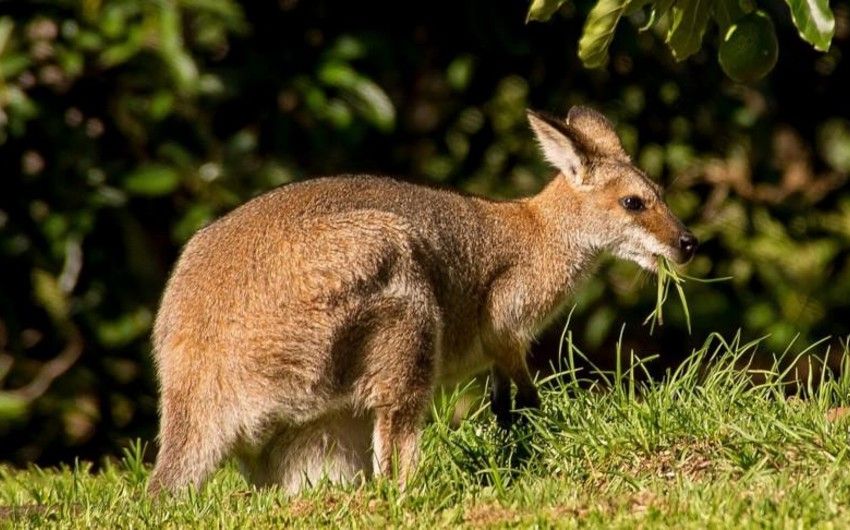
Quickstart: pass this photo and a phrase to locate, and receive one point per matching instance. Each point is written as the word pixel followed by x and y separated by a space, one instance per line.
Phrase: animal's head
pixel 623 209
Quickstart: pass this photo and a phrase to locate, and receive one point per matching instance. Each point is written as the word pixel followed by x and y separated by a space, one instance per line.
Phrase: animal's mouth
pixel 675 255
pixel 646 260
pixel 648 250
pixel 644 249
pixel 649 260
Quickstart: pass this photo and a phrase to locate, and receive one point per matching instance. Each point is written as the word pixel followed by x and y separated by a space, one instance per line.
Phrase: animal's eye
pixel 632 203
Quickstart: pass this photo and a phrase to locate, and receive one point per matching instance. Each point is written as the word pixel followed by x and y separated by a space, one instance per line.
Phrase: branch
pixel 53 368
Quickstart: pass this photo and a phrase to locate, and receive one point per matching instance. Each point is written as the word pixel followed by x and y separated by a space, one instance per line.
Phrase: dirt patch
pixel 14 512
pixel 300 508
pixel 693 459
pixel 837 413
pixel 568 512
pixel 356 502
pixel 488 515
pixel 637 503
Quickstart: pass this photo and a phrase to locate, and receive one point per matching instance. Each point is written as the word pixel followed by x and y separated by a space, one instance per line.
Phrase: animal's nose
pixel 688 243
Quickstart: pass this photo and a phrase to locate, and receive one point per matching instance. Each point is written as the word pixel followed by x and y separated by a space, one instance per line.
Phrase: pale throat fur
pixel 544 249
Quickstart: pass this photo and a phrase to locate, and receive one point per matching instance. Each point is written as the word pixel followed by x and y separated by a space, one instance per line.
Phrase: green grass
pixel 703 447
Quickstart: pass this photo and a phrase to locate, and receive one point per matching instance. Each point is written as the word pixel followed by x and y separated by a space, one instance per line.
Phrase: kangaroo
pixel 304 332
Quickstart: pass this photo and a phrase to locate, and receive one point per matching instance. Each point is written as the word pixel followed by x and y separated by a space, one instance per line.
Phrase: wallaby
pixel 308 328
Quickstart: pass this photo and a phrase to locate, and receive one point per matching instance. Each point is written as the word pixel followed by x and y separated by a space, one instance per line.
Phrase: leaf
pixel 337 74
pixel 726 12
pixel 542 10
pixel 365 96
pixel 689 20
pixel 49 295
pixel 152 180
pixel 637 5
pixel 372 103
pixel 12 407
pixel 658 10
pixel 190 222
pixel 814 20
pixel 228 12
pixel 459 72
pixel 599 32
pixel 124 329
pixel 184 71
pixel 12 64
pixel 661 7
pixel 347 48
pixel 123 52
pixel 6 27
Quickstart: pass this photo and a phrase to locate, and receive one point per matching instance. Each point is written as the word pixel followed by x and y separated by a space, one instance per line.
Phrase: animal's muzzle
pixel 688 244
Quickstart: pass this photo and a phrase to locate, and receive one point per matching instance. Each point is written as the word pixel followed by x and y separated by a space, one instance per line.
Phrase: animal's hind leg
pixel 335 447
pixel 403 352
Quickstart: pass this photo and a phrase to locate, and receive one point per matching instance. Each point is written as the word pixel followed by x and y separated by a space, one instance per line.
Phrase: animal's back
pixel 335 195
pixel 296 264
pixel 293 305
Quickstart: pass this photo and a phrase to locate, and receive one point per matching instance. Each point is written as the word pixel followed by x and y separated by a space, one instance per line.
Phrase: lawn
pixel 710 445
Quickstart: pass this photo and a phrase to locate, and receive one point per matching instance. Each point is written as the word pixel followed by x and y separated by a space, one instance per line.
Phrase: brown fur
pixel 316 320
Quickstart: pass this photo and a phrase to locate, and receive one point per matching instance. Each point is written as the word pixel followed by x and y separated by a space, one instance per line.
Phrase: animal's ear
pixel 559 146
pixel 596 133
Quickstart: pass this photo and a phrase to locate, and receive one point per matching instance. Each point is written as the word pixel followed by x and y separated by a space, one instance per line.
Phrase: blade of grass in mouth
pixel 669 277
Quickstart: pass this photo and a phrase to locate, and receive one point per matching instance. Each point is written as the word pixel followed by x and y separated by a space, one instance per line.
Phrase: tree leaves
pixel 152 180
pixel 726 12
pixel 362 94
pixel 686 20
pixel 689 21
pixel 12 407
pixel 814 20
pixel 599 31
pixel 173 52
pixel 542 10
pixel 50 295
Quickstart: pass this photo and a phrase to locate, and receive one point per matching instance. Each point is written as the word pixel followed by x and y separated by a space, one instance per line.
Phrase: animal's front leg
pixel 500 398
pixel 527 396
pixel 509 365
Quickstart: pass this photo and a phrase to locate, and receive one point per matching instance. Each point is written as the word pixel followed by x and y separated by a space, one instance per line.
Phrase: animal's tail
pixel 191 447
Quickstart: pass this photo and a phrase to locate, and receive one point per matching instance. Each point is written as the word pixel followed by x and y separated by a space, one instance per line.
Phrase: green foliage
pixel 12 407
pixel 688 22
pixel 814 21
pixel 685 22
pixel 726 12
pixel 543 10
pixel 151 180
pixel 599 31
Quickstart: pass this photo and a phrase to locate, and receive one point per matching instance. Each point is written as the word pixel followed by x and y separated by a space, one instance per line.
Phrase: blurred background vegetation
pixel 125 126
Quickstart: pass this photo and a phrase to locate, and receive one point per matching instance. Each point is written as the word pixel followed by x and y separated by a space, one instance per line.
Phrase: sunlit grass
pixel 706 445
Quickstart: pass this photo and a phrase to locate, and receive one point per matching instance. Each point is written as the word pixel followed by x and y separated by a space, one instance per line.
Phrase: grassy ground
pixel 702 448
